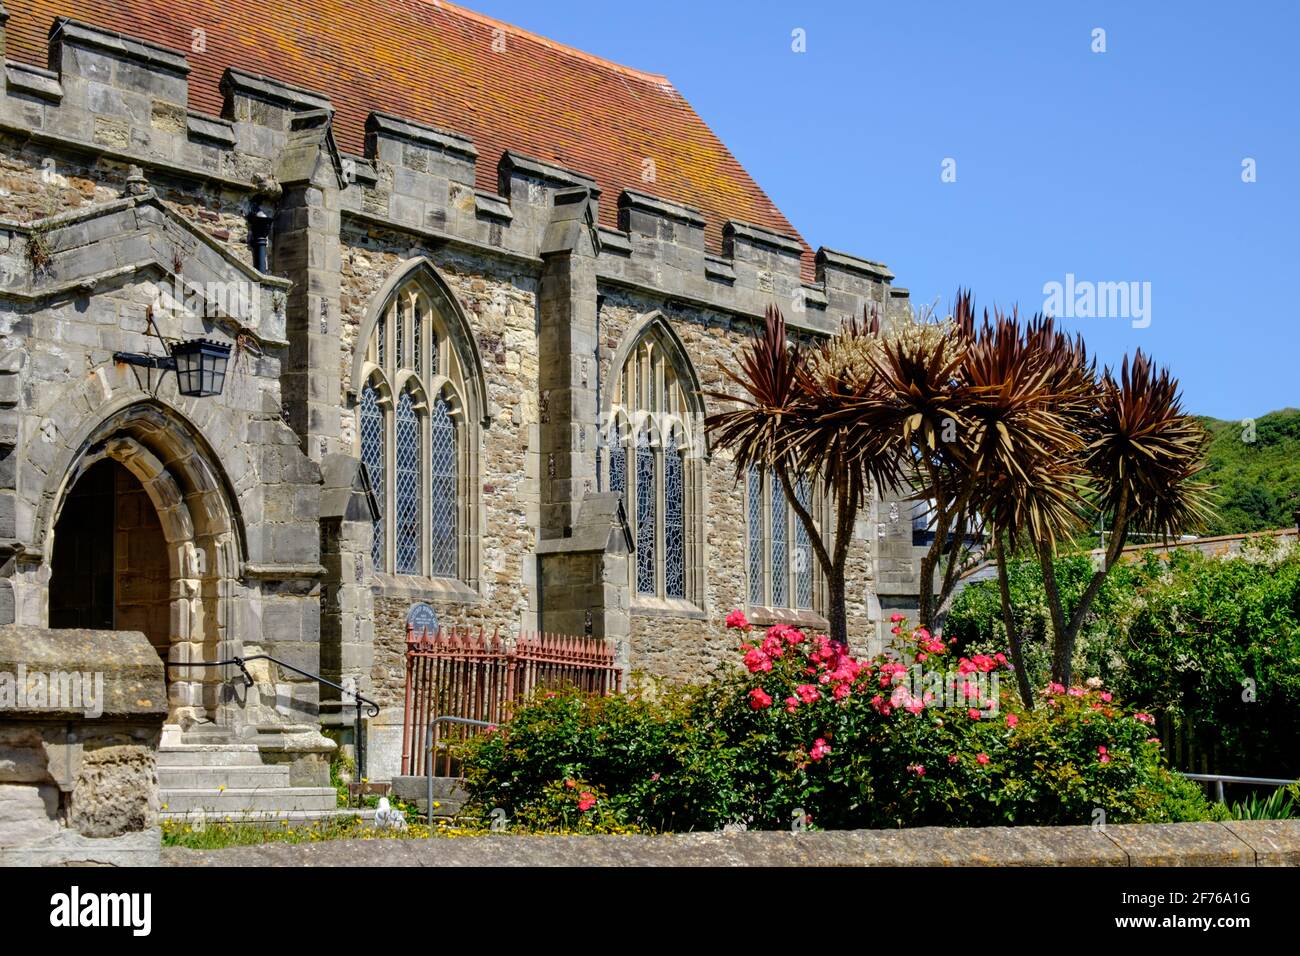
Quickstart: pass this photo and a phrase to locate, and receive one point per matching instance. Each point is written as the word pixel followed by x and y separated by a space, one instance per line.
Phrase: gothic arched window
pixel 420 447
pixel 649 457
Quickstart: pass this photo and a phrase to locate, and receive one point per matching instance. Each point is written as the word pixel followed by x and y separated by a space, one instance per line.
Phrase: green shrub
pixel 660 767
pixel 1216 642
pixel 1212 642
pixel 806 734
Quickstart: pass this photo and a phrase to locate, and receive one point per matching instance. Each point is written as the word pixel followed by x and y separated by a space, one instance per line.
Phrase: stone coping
pixel 1238 843
pixel 131 670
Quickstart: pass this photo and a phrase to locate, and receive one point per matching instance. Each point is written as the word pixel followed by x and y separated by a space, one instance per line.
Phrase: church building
pixel 319 318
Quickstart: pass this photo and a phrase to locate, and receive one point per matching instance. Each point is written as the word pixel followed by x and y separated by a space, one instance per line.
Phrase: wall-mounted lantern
pixel 199 364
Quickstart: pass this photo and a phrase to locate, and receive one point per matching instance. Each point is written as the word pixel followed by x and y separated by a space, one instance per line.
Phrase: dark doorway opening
pixel 110 567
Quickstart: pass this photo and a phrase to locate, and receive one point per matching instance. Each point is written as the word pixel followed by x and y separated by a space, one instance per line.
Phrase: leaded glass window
pixel 443 503
pixel 780 554
pixel 407 488
pixel 757 544
pixel 802 557
pixel 618 466
pixel 417 337
pixel 781 563
pixel 646 528
pixel 402 309
pixel 674 526
pixel 372 453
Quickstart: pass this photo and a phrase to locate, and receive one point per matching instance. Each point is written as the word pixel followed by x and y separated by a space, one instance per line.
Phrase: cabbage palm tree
pixel 1004 427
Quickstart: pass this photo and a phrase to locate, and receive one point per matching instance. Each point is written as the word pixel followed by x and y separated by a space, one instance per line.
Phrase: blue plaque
pixel 421 617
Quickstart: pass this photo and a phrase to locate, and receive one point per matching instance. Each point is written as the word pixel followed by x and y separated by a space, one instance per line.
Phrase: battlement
pixel 125 99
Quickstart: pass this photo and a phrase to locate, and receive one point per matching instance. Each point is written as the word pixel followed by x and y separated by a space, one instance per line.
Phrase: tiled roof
pixel 435 63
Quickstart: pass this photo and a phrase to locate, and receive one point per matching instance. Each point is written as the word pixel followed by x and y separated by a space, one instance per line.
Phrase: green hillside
pixel 1257 483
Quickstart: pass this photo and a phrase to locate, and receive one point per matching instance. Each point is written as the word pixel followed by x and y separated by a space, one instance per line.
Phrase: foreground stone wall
pixel 1240 843
pixel 78 767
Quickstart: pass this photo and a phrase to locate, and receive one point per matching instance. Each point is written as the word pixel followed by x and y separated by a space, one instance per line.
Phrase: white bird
pixel 386 818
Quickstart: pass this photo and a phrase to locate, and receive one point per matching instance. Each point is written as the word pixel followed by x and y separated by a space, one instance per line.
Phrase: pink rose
pixel 895 618
pixel 819 749
pixel 586 801
pixel 807 693
pixel 1012 720
pixel 737 620
pixel 757 661
pixel 759 699
pixel 982 758
pixel 791 704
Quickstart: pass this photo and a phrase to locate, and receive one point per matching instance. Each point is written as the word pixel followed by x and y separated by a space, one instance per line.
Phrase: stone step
pixel 217 804
pixel 210 778
pixel 202 755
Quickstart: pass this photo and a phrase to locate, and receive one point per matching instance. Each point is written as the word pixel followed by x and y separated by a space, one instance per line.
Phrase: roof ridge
pixel 555 45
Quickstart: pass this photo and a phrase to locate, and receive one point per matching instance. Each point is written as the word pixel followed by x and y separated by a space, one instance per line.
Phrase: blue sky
pixel 1122 166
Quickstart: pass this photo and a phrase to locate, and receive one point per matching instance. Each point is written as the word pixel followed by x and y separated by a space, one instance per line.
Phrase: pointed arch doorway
pixel 144 539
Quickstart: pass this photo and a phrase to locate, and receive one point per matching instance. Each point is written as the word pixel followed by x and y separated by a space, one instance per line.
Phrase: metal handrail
pixel 358 699
pixel 430 757
pixel 1219 779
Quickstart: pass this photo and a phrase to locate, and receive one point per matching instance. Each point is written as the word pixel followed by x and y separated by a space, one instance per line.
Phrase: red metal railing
pixel 464 673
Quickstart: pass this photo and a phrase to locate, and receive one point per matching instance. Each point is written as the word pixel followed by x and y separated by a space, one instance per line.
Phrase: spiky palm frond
pixel 1146 451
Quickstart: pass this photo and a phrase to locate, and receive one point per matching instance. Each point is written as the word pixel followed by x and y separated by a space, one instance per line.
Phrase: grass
pixel 219 836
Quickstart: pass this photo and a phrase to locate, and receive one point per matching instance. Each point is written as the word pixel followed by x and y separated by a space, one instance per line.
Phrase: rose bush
pixel 805 732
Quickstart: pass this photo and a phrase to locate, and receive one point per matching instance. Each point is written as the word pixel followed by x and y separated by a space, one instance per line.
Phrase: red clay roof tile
pixel 435 63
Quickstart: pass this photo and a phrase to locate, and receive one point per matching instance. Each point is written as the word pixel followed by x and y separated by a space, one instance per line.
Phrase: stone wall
pixel 78 772
pixel 1241 843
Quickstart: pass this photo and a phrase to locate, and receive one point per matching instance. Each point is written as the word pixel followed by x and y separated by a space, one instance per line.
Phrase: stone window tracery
pixel 415 438
pixel 650 457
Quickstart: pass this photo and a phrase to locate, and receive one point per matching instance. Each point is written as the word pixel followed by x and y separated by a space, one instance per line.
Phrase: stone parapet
pixel 110 95
pixel 1251 843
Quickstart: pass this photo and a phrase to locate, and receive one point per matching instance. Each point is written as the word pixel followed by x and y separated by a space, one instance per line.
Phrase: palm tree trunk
pixel 1062 647
pixel 1013 633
